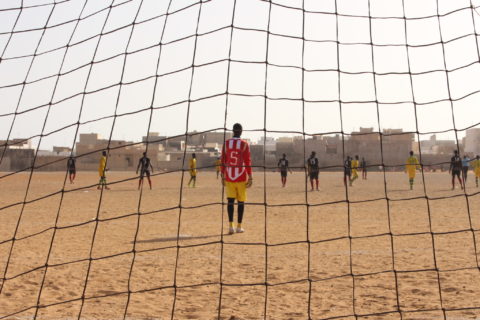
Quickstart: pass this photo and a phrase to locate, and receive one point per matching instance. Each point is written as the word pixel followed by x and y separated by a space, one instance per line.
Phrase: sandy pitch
pixel 308 262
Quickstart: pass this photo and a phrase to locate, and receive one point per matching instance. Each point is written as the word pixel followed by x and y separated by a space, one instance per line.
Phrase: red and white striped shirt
pixel 236 161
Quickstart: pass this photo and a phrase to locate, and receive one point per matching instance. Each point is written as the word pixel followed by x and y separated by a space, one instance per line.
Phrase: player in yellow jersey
pixel 193 170
pixel 102 168
pixel 411 168
pixel 476 168
pixel 218 166
pixel 354 165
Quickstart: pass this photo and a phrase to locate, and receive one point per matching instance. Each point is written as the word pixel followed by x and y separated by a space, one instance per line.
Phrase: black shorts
pixel 313 175
pixel 145 172
pixel 72 171
pixel 283 173
pixel 347 173
pixel 465 170
pixel 456 172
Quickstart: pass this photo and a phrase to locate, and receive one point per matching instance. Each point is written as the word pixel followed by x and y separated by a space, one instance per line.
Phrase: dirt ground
pixel 165 253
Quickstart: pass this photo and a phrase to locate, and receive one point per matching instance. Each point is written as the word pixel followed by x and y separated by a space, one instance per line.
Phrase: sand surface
pixel 115 254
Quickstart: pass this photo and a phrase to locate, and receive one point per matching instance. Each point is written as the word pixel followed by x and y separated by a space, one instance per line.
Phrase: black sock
pixel 241 207
pixel 230 207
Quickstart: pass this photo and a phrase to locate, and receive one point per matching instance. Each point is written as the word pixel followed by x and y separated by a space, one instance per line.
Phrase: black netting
pixel 171 11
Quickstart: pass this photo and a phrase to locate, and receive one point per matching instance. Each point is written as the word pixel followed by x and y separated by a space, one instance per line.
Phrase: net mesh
pixel 137 63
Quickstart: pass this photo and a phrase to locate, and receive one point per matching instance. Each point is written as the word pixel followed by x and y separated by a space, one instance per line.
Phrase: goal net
pixel 372 238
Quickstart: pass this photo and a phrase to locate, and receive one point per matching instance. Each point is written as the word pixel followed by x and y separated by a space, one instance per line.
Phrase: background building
pixel 472 141
pixel 390 148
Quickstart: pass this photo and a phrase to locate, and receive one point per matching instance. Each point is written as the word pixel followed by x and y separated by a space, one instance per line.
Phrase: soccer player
pixel 72 171
pixel 283 166
pixel 144 165
pixel 236 175
pixel 465 167
pixel 313 169
pixel 218 166
pixel 476 168
pixel 456 169
pixel 193 170
pixel 347 170
pixel 363 164
pixel 411 168
pixel 102 168
pixel 355 164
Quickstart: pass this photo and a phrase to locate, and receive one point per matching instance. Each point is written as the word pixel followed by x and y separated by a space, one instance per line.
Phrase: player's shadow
pixel 120 190
pixel 181 237
pixel 450 189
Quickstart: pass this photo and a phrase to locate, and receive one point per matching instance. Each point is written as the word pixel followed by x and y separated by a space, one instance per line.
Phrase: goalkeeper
pixel 236 175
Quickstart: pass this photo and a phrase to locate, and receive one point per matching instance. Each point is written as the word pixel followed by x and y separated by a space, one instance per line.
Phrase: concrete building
pixel 165 153
pixel 472 141
pixel 333 144
pixel 269 144
pixel 216 137
pixel 16 159
pixel 17 143
pixel 155 141
pixel 62 151
pixel 364 143
pixel 17 154
pixel 193 140
pixel 433 146
pixel 122 155
pixel 256 151
pixel 207 139
pixel 285 147
pixel 390 148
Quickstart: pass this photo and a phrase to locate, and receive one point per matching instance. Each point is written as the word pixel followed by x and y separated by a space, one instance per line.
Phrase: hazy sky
pixel 165 46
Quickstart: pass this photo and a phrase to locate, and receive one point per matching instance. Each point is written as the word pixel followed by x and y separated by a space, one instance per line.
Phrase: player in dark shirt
pixel 465 167
pixel 72 171
pixel 456 169
pixel 347 170
pixel 144 165
pixel 363 164
pixel 313 169
pixel 283 166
